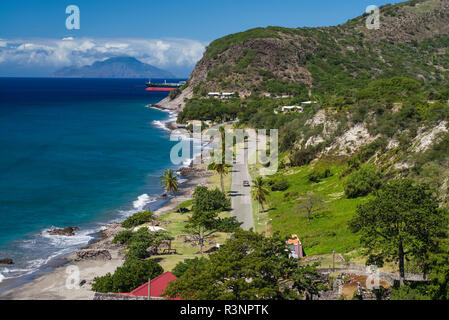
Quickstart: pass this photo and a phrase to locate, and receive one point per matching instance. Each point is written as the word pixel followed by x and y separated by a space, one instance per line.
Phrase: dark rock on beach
pixel 93 254
pixel 6 261
pixel 69 231
pixel 193 171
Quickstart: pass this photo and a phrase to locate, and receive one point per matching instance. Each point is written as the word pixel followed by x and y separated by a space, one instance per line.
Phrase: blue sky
pixel 181 27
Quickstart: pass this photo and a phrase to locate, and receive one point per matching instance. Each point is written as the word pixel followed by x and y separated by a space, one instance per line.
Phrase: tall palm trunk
pixel 222 182
pixel 401 264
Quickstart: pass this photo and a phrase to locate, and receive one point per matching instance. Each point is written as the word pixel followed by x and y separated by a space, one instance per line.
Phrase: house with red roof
pixel 295 247
pixel 157 287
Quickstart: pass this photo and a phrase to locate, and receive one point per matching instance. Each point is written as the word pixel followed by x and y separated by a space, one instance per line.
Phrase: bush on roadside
pixel 362 182
pixel 138 219
pixel 210 200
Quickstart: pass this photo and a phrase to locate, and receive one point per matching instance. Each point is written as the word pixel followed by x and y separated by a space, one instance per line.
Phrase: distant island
pixel 117 67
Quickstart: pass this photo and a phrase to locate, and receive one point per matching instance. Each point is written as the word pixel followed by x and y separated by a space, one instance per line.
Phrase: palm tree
pixel 222 169
pixel 170 182
pixel 259 192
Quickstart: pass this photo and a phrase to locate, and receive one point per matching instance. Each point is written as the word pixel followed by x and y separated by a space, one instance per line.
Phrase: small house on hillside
pixel 222 95
pixel 295 246
pixel 292 108
pixel 214 94
pixel 306 103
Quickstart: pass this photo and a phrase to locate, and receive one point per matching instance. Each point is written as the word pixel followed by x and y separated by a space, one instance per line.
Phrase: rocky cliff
pixel 411 41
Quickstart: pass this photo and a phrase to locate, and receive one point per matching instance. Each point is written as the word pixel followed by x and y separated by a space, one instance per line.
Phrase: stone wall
pixel 113 296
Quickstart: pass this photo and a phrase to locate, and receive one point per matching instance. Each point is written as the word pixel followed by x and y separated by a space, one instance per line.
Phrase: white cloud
pixel 70 51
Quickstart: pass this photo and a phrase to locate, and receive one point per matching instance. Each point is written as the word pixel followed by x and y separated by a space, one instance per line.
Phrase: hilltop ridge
pixel 412 41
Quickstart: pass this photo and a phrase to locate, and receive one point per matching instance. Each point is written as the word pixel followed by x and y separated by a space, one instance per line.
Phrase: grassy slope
pixel 328 230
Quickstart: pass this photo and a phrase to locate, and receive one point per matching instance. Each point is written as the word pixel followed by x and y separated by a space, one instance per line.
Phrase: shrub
pixel 138 219
pixel 411 292
pixel 293 194
pixel 210 200
pixel 131 275
pixel 279 185
pixel 174 93
pixel 317 175
pixel 138 250
pixel 182 266
pixel 142 236
pixel 124 237
pixel 362 182
pixel 303 156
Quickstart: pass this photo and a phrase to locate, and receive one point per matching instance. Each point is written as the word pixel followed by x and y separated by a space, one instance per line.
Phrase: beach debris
pixel 6 261
pixel 150 228
pixel 68 231
pixel 93 254
pixel 194 171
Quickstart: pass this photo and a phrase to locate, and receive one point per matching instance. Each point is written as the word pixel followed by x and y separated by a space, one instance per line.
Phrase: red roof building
pixel 157 286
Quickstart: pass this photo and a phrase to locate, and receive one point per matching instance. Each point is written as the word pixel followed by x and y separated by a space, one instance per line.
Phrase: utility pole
pixel 333 260
pixel 149 289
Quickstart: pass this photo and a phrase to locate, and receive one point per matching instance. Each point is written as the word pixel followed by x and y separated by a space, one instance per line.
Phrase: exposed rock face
pixel 425 139
pixel 6 261
pixel 243 62
pixel 193 171
pixel 69 231
pixel 177 103
pixel 93 254
pixel 352 140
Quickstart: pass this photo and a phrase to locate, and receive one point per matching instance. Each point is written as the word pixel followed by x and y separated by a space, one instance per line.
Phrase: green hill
pixel 411 41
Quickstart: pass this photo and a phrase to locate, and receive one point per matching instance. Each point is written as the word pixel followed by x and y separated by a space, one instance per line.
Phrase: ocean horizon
pixel 75 152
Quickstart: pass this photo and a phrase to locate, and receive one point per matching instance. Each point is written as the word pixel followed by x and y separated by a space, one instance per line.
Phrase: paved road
pixel 240 195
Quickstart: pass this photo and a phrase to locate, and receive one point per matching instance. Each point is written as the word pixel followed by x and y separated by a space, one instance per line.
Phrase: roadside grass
pixel 184 250
pixel 262 222
pixel 214 181
pixel 327 230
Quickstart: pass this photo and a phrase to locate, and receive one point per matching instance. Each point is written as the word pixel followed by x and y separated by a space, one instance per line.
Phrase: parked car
pixel 246 183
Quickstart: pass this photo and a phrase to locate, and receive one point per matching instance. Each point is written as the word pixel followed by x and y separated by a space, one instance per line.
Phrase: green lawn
pixel 176 224
pixel 328 230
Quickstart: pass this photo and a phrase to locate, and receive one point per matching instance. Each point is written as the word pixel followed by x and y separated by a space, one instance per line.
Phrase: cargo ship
pixel 164 86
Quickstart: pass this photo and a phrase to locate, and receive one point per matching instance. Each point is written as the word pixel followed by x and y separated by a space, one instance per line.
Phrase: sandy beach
pixel 98 258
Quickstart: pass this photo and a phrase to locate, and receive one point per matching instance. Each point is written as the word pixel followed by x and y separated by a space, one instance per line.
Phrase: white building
pixel 305 103
pixel 221 95
pixel 292 108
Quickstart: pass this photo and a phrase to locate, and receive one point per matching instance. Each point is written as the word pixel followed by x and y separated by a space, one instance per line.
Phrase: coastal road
pixel 240 195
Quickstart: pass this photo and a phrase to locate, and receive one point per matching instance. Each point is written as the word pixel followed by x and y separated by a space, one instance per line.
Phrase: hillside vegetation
pixel 411 41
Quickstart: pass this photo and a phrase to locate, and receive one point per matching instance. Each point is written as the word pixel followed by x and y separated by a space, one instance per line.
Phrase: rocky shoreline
pixel 101 255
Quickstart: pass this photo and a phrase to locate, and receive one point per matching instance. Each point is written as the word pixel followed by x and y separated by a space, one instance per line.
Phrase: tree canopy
pixel 205 220
pixel 247 267
pixel 404 219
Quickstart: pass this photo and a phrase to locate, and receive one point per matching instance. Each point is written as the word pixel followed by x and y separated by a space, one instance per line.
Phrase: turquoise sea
pixel 74 152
